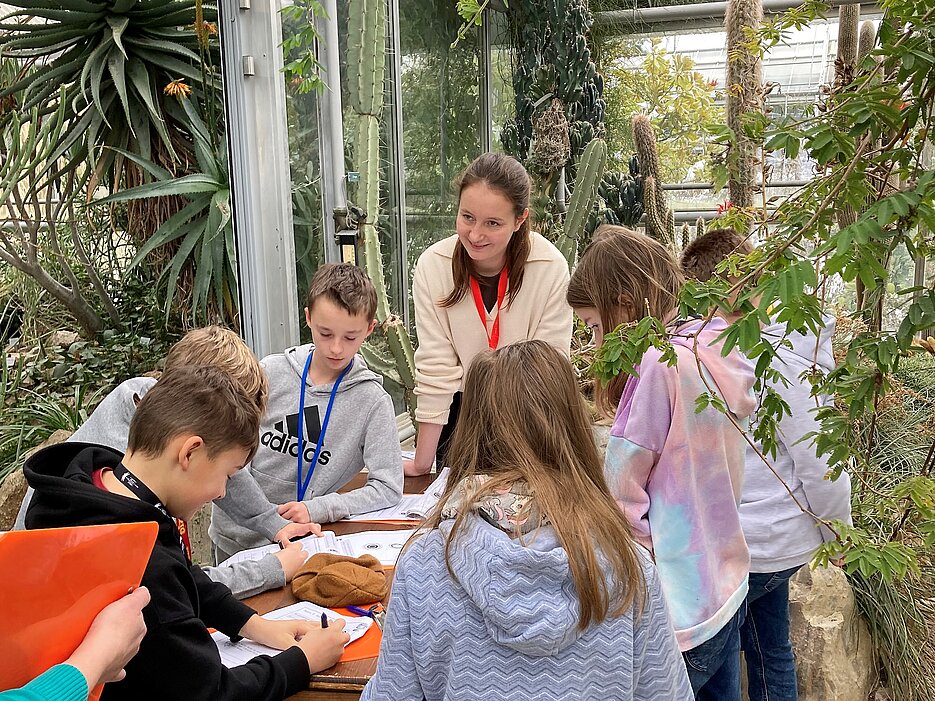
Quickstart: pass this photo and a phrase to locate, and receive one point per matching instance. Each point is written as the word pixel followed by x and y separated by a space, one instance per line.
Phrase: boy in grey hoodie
pixel 328 418
pixel 109 425
pixel 781 537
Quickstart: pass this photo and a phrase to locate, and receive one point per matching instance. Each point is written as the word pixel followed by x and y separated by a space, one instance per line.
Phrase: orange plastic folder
pixel 53 582
pixel 365 647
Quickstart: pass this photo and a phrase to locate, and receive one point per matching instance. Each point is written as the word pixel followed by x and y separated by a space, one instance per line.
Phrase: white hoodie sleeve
pixel 826 499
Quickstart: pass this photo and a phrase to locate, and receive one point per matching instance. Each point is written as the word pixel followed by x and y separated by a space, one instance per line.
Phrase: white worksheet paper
pixel 311 544
pixel 383 545
pixel 412 507
pixel 236 654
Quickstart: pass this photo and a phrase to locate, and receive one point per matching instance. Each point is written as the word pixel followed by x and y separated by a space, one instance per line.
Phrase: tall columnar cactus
pixel 848 42
pixel 590 171
pixel 699 227
pixel 867 40
pixel 686 235
pixel 660 220
pixel 845 63
pixel 744 95
pixel 366 74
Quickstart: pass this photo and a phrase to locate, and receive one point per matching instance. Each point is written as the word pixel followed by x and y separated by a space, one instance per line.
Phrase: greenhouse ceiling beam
pixel 704 15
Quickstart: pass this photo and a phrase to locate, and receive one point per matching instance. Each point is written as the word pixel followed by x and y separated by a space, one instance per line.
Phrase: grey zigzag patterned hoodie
pixel 508 628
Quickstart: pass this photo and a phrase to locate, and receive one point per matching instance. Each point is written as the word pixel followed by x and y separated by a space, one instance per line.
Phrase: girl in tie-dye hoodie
pixel 675 471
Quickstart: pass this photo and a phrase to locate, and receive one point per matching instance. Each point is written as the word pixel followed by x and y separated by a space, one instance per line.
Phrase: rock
pixel 601 435
pixel 833 651
pixel 62 339
pixel 198 536
pixel 12 491
pixel 13 488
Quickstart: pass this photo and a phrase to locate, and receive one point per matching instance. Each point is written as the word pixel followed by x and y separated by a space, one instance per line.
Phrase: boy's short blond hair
pixel 701 256
pixel 347 286
pixel 198 400
pixel 224 349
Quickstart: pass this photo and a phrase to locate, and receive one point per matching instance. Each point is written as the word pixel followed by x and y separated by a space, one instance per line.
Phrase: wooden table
pixel 345 680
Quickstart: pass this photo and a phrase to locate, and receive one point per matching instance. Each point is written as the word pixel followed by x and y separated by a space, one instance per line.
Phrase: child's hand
pixel 296 530
pixel 278 634
pixel 323 647
pixel 295 511
pixel 291 557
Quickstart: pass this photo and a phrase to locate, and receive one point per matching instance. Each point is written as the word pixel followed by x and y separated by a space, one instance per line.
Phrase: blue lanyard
pixel 301 486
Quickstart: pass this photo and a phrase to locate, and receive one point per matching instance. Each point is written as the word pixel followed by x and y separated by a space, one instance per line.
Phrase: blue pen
pixel 359 611
pixel 324 620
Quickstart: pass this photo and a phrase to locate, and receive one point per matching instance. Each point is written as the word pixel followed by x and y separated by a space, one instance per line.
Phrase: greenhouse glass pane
pixel 441 91
pixel 305 171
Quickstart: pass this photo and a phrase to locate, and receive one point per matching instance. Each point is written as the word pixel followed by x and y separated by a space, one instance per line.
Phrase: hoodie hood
pixel 297 356
pixel 66 496
pixel 804 350
pixel 732 374
pixel 524 590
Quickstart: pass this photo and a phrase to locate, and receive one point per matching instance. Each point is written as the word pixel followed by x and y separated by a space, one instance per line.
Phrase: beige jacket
pixel 449 338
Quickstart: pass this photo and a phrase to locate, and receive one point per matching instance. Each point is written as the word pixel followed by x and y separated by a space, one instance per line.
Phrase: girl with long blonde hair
pixel 524 582
pixel 676 471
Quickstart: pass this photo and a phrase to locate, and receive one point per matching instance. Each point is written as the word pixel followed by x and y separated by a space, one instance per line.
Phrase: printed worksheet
pixel 412 507
pixel 311 544
pixel 383 545
pixel 235 654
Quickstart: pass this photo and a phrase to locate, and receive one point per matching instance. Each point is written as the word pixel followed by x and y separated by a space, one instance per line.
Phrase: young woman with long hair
pixel 524 582
pixel 493 283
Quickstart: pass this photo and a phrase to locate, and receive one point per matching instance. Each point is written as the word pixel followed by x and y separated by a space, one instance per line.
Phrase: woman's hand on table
pixel 410 469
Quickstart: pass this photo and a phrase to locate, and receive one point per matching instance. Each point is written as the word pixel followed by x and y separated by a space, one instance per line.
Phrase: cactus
pixel 550 44
pixel 366 74
pixel 848 39
pixel 660 220
pixel 744 95
pixel 622 195
pixel 699 227
pixel 686 235
pixel 590 171
pixel 551 148
pixel 866 42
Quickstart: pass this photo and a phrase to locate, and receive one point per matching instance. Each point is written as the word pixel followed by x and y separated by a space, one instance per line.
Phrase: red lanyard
pixel 493 338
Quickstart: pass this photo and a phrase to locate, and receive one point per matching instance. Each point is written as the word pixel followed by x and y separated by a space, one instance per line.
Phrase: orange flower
pixel 178 88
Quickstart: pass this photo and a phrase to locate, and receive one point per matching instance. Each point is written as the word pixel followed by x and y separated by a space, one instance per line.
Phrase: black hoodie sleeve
pixel 180 661
pixel 218 607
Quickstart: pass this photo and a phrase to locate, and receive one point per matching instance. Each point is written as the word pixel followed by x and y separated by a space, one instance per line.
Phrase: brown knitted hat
pixel 332 580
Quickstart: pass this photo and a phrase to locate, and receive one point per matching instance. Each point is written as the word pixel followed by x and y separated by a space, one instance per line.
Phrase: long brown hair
pixel 625 276
pixel 523 419
pixel 508 176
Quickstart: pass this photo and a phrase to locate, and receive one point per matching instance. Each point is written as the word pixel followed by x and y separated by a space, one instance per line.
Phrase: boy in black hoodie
pixel 188 436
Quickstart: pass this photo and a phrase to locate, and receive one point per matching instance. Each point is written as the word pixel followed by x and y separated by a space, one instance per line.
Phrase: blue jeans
pixel 714 666
pixel 764 638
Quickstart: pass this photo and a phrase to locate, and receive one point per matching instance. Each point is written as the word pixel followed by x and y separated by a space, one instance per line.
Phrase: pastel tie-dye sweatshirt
pixel 678 474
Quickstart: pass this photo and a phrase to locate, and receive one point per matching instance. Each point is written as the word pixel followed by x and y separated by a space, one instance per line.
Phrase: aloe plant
pixel 114 59
pixel 202 227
